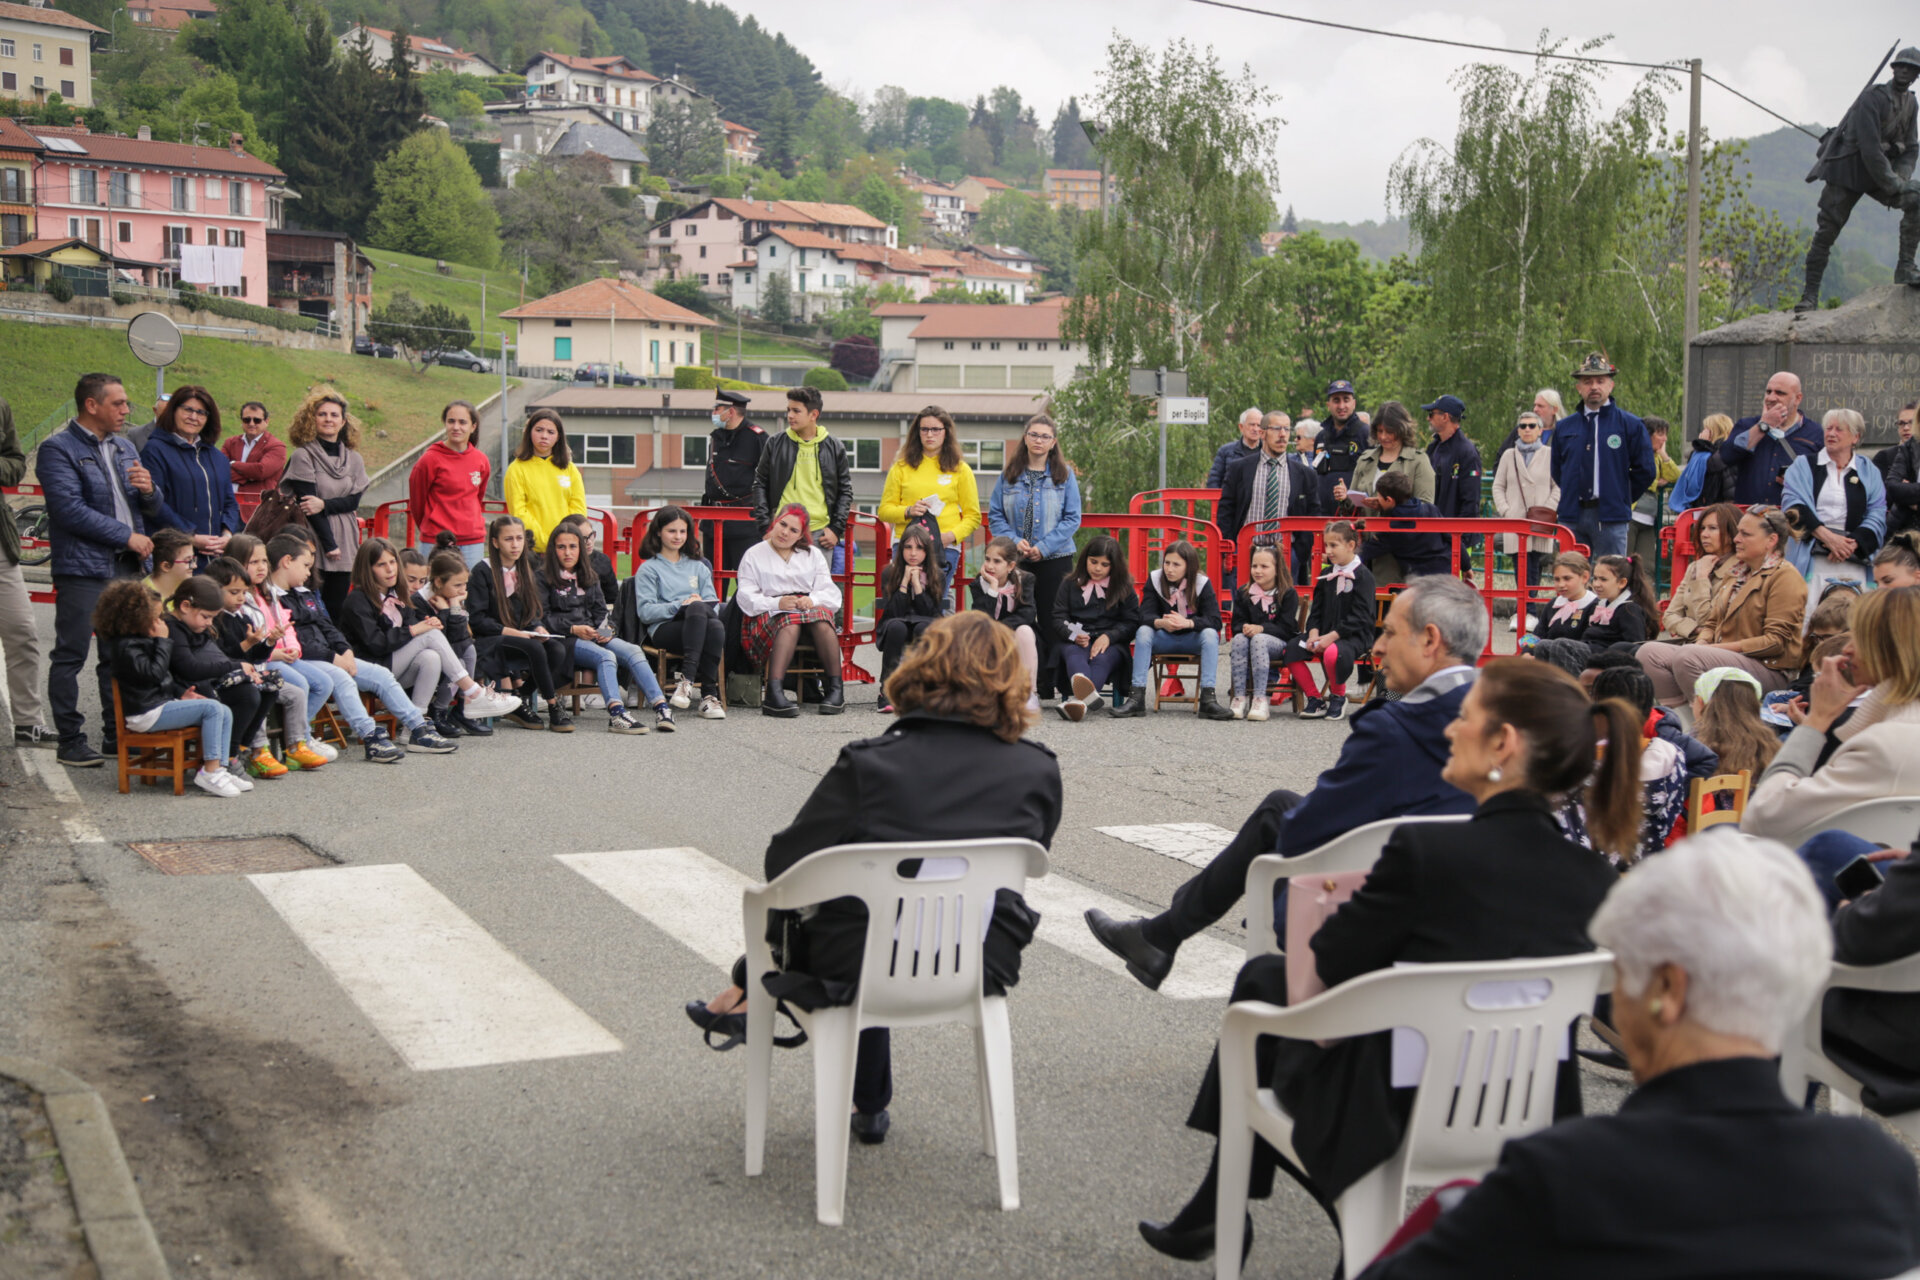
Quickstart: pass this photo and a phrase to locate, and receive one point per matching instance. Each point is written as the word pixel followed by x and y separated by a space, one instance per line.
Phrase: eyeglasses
pixel 252 422
pixel 933 431
pixel 190 411
pixel 1038 436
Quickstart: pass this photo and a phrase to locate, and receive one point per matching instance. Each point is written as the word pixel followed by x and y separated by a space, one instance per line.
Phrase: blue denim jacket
pixel 1056 520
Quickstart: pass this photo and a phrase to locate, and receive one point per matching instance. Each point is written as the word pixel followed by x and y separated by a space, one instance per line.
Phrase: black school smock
pixel 1010 616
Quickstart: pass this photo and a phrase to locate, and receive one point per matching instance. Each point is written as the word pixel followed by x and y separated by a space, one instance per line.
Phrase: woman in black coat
pixel 1707 1169
pixel 912 595
pixel 957 750
pixel 1504 885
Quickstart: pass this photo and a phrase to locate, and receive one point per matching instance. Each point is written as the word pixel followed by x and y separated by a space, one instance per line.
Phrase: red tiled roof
pixel 14 138
pixel 833 215
pixel 419 44
pixel 602 66
pixel 964 320
pixel 893 310
pixel 604 299
pixel 975 265
pixel 114 149
pixel 991 184
pixel 45 17
pixel 809 240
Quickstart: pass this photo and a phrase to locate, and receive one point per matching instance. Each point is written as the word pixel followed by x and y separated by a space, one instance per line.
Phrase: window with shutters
pixel 182 195
pixel 66 57
pixel 86 186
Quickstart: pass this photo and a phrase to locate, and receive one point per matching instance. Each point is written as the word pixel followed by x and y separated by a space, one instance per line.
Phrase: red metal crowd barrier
pixel 1456 530
pixel 30 543
pixel 1185 504
pixel 382 523
pixel 1683 545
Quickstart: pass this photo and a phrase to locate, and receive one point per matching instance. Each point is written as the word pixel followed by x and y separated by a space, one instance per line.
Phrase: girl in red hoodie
pixel 448 484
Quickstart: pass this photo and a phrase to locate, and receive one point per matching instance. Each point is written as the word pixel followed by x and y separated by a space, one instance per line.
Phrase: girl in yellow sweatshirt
pixel 542 486
pixel 929 470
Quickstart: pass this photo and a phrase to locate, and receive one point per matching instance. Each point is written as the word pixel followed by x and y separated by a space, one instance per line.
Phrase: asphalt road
pixel 276 1087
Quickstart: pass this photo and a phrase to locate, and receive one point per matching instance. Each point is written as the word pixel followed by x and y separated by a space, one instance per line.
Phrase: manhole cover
pixel 229 855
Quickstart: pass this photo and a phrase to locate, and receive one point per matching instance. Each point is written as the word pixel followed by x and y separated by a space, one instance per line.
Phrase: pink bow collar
pixel 1341 575
pixel 1001 595
pixel 1092 589
pixel 1603 612
pixel 1563 608
pixel 1260 597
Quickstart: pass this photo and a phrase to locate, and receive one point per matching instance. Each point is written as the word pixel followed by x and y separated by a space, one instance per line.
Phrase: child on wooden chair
pixel 1266 610
pixel 1179 613
pixel 1339 626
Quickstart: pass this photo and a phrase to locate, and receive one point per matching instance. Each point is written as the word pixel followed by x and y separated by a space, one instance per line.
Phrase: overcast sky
pixel 1352 102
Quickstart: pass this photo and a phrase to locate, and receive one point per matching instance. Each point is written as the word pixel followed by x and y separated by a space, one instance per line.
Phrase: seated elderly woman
pixel 785 587
pixel 957 762
pixel 1879 744
pixel 1503 885
pixel 1708 1169
pixel 1836 502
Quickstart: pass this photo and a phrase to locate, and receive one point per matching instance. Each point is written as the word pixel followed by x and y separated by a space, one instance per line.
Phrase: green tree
pixel 959 293
pixel 824 380
pixel 420 333
pixel 831 135
pixel 685 138
pixel 432 203
pixel 1521 237
pixel 1167 277
pixel 259 43
pixel 883 198
pixel 780 134
pixel 685 292
pixel 1071 150
pixel 559 211
pixel 776 299
pixel 1313 327
pixel 857 318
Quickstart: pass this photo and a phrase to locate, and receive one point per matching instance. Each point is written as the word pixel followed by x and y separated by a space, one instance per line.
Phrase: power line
pixel 1677 65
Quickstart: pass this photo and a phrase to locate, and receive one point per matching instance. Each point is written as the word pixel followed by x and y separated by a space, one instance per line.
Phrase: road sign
pixel 1183 411
pixel 155 340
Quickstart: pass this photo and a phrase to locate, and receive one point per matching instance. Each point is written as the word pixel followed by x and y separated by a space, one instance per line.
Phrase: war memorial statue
pixel 1870 153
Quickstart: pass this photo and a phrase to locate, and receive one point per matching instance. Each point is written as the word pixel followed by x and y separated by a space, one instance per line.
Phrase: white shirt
pixel 765 577
pixel 1831 502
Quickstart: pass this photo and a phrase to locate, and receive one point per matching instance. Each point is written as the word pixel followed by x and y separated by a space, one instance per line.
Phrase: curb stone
pixel 118 1233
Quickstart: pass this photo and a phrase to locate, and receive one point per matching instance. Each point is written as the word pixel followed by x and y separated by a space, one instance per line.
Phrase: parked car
pixel 366 346
pixel 597 373
pixel 465 360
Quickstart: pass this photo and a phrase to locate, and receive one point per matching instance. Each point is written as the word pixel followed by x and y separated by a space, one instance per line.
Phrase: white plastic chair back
pixel 1889 820
pixel 1489 1076
pixel 1357 850
pixel 921 965
pixel 1803 1060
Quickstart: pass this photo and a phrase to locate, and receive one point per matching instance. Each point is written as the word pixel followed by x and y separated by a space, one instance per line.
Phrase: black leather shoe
pixel 1135 705
pixel 1210 708
pixel 732 1027
pixel 1127 940
pixel 471 728
pixel 774 702
pixel 1192 1246
pixel 445 725
pixel 834 701
pixel 871 1129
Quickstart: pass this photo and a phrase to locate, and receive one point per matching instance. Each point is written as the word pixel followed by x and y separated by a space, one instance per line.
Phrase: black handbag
pixel 278 508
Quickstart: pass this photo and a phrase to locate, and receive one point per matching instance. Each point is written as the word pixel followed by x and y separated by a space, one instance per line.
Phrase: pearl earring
pixel 1494 774
pixel 1654 1006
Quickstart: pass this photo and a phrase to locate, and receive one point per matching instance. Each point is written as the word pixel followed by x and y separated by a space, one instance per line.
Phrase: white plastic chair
pixel 1357 850
pixel 1889 820
pixel 921 967
pixel 1803 1060
pixel 1489 1076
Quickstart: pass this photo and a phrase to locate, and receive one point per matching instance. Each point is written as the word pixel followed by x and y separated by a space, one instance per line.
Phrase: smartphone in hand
pixel 1858 878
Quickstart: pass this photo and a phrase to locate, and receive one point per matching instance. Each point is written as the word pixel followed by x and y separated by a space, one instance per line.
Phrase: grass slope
pixel 40 363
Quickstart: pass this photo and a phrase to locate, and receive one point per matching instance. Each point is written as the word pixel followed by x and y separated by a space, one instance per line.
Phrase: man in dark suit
pixel 1875 1035
pixel 1389 766
pixel 1268 485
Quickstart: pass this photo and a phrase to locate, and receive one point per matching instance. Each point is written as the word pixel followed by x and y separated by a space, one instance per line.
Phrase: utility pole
pixel 1687 423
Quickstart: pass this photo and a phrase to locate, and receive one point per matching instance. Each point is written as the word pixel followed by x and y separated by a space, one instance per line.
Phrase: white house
pixel 944 209
pixel 704 242
pixel 964 346
pixel 818 278
pixel 615 84
pixel 426 53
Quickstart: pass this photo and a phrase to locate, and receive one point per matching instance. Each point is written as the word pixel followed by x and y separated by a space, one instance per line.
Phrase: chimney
pixel 146 134
pixel 239 144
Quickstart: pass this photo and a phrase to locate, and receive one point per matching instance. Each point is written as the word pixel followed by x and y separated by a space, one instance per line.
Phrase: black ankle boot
pixel 774 702
pixel 457 715
pixel 444 723
pixel 1135 705
pixel 1210 708
pixel 834 699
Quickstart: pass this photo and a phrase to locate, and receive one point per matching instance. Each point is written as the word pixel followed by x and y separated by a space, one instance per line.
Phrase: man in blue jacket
pixel 1233 450
pixel 1759 450
pixel 1602 460
pixel 99 500
pixel 1390 767
pixel 1456 466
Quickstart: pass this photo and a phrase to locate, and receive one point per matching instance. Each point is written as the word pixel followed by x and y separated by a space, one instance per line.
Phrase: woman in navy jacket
pixel 191 474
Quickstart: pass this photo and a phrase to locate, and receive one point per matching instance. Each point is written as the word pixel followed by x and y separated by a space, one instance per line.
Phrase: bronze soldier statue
pixel 1871 153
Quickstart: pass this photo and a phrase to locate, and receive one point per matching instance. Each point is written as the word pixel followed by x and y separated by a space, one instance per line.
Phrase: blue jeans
pixel 1147 642
pixel 1609 539
pixel 316 698
pixel 1827 855
pixel 378 681
pixel 473 553
pixel 607 657
pixel 324 680
pixel 215 721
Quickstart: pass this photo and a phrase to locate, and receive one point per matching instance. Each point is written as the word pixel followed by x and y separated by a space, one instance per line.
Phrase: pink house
pixel 141 200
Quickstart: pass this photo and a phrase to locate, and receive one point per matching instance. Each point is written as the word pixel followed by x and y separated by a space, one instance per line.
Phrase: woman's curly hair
pixel 125 608
pixel 965 666
pixel 305 428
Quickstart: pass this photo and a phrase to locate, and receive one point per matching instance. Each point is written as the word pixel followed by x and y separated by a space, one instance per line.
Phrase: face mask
pixel 716 420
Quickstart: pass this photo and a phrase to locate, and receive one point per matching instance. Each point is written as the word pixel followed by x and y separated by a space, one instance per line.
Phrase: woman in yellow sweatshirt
pixel 543 487
pixel 929 471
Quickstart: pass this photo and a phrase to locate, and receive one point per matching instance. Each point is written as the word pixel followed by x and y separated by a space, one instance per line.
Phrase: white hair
pixel 1309 429
pixel 1250 414
pixel 1552 397
pixel 1740 915
pixel 1848 418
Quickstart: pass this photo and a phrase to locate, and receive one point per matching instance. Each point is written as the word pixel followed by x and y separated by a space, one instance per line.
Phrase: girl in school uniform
pixel 1179 613
pixel 1567 614
pixel 507 609
pixel 577 609
pixel 445 598
pixel 1626 610
pixel 137 646
pixel 912 597
pixel 243 640
pixel 1339 625
pixel 1010 596
pixel 1094 618
pixel 1267 613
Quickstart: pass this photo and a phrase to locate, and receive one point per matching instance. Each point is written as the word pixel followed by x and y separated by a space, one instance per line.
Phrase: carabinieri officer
pixel 733 452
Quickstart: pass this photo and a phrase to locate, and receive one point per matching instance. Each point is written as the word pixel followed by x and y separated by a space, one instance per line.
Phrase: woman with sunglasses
pixel 1036 503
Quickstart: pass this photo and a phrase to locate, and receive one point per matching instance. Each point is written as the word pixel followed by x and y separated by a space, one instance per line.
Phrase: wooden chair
pixel 1699 817
pixel 1165 687
pixel 661 657
pixel 328 727
pixel 163 753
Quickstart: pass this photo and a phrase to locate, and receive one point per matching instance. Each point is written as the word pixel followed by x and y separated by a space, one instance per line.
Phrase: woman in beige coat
pixel 1524 479
pixel 1879 752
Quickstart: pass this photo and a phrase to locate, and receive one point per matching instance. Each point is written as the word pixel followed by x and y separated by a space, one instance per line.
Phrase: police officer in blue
pixel 1602 460
pixel 1456 466
pixel 733 453
pixel 1343 438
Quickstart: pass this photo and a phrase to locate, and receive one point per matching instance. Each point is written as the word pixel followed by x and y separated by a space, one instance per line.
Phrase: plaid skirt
pixel 758 630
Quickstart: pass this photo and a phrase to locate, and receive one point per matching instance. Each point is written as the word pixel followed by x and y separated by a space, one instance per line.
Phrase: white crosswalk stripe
pixel 440 989
pixel 692 898
pixel 1203 970
pixel 79 827
pixel 1194 843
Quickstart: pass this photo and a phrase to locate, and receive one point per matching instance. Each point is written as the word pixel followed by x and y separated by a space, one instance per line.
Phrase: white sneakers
pixel 711 708
pixel 482 703
pixel 1258 711
pixel 223 784
pixel 683 696
pixel 1238 707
